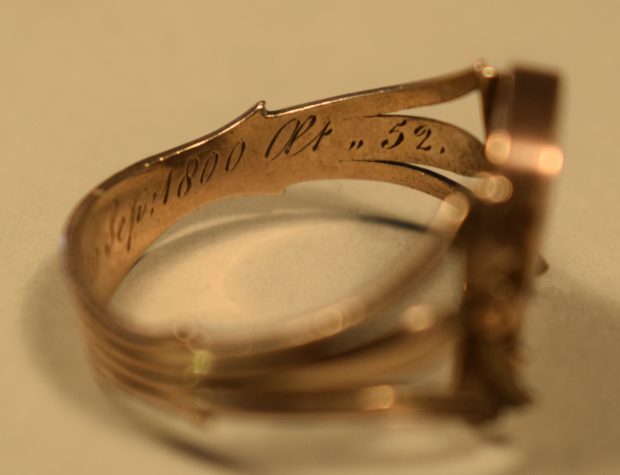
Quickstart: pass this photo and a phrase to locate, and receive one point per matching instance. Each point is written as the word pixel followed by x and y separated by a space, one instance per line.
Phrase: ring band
pixel 352 355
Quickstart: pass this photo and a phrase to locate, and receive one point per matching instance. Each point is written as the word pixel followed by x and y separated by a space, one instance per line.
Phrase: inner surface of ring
pixel 258 261
pixel 262 153
pixel 125 217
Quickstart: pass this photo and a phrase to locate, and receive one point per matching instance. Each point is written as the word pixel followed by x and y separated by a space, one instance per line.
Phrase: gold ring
pixel 352 356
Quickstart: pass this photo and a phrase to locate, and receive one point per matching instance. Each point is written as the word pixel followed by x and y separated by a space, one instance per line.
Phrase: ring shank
pixel 263 152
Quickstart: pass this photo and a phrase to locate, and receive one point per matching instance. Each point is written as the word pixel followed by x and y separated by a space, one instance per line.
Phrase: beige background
pixel 88 87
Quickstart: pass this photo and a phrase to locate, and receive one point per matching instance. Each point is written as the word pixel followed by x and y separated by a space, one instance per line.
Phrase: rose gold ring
pixel 356 354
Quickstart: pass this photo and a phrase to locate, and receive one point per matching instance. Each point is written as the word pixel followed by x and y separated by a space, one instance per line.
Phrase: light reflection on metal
pixel 417 318
pixel 329 321
pixel 493 188
pixel 345 357
pixel 550 160
pixel 498 147
pixel 376 398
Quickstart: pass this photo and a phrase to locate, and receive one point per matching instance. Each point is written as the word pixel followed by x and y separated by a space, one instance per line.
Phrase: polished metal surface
pixel 352 355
